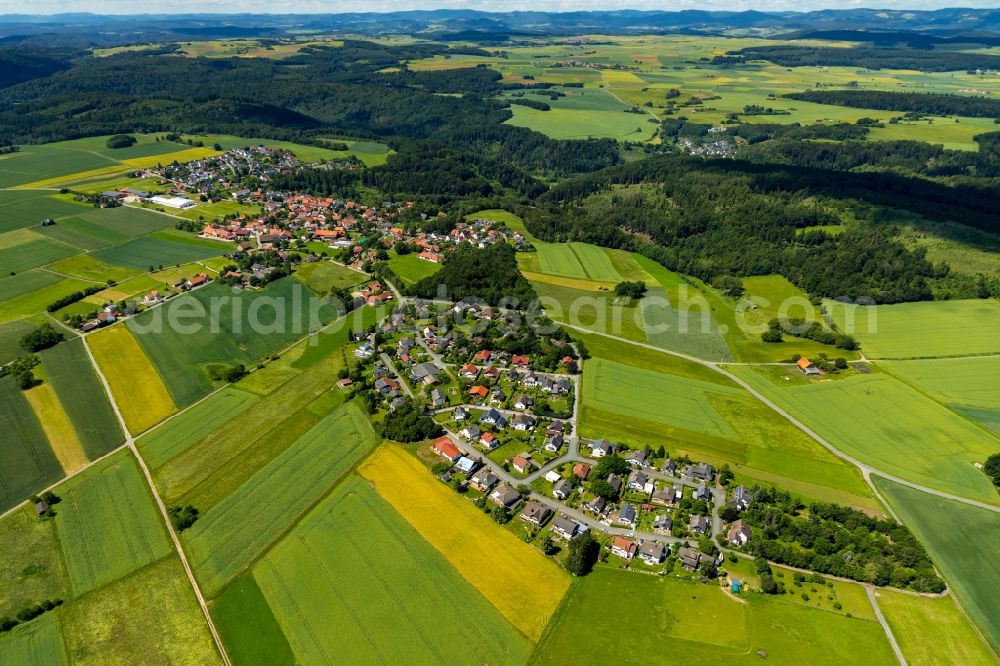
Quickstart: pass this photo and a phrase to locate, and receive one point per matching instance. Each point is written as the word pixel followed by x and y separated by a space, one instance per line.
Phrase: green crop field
pixel 35 301
pixel 178 434
pixel 333 585
pixel 13 286
pixel 248 627
pixel 37 162
pixel 128 221
pixel 932 631
pixel 223 542
pixel 86 267
pixel 560 260
pixel 962 540
pixel 231 328
pixel 27 208
pixel 28 462
pixel 887 424
pixel 926 329
pixel 82 233
pixel 411 268
pixel 969 382
pixel 595 262
pixel 162 248
pixel 695 623
pixel 583 113
pixel 719 423
pixel 107 523
pixel 322 276
pixel 31 568
pixel 150 617
pixel 37 643
pixel 23 249
pixel 10 338
pixel 83 397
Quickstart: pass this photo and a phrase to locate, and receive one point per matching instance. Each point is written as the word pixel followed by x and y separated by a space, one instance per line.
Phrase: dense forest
pixel 924 60
pixel 905 102
pixel 490 274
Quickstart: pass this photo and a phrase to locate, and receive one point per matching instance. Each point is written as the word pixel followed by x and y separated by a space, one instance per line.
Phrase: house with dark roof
pixel 652 552
pixel 535 513
pixel 505 496
pixel 601 448
pixel 636 458
pixel 739 533
pixel 701 471
pixel 662 523
pixel 627 515
pixel 699 524
pixel 565 528
pixel 742 497
pixel 494 418
pixel 691 558
pixel 483 480
pixel 562 490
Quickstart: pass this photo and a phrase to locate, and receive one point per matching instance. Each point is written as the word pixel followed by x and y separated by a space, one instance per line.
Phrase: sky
pixel 327 7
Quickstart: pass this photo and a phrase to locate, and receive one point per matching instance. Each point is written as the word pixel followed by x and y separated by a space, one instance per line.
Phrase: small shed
pixel 736 586
pixel 41 507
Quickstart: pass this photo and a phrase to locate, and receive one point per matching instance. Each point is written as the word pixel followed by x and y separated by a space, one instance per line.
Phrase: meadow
pixel 24 249
pixel 486 557
pixel 888 425
pixel 46 161
pixel 915 619
pixel 584 113
pixel 36 300
pixel 946 328
pixel 27 208
pixel 411 268
pixel 37 643
pixel 322 276
pixel 150 617
pixel 107 523
pixel 31 568
pixel 161 248
pixel 969 382
pixel 232 328
pixel 699 623
pixel 86 267
pixel 962 541
pixel 177 434
pixel 344 605
pixel 28 462
pixel 248 627
pixel 137 388
pixel 713 421
pixel 223 542
pixel 69 370
pixel 10 338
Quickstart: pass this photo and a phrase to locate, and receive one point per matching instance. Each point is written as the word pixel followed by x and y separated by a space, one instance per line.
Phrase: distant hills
pixel 947 25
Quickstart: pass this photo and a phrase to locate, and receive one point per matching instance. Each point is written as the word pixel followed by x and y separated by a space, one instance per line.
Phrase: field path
pixel 607 89
pixel 870 591
pixel 866 469
pixel 130 443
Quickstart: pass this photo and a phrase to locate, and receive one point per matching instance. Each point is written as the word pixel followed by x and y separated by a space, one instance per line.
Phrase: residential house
pixel 521 462
pixel 196 281
pixel 479 392
pixel 494 418
pixel 366 350
pixel 581 471
pixel 520 361
pixel 482 356
pixel 639 482
pixel 498 396
pixel 691 558
pixel 637 458
pixel 553 443
pixel 601 448
pixel 438 398
pixel 471 432
pixel 469 371
pixel 523 422
pixel 552 476
pixel 700 524
pixel 563 489
pixel 428 373
pixel 701 471
pixel 701 493
pixel 662 523
pixel 565 528
pixel 535 513
pixel 624 548
pixel 664 496
pixel 444 447
pixel 616 483
pixel 669 466
pixel 386 385
pixel 505 496
pixel 561 386
pixel 739 533
pixel 742 497
pixel 483 480
pixel 627 515
pixel 523 402
pixel 466 465
pixel 489 440
pixel 652 552
pixel 807 367
pixel 597 505
pixel 461 413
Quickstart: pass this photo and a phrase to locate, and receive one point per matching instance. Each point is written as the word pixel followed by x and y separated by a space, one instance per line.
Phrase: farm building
pixel 172 202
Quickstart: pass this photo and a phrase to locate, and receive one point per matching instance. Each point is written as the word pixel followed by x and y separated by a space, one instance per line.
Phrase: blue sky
pixel 325 6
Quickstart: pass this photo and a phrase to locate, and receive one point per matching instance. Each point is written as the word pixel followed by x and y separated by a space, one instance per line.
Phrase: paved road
pixel 870 591
pixel 866 469
pixel 130 443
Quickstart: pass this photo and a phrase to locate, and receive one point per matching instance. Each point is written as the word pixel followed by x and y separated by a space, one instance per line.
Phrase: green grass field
pixel 183 431
pixel 712 421
pixel 31 569
pixel 968 382
pixel 223 542
pixel 72 375
pixel 23 250
pixel 162 248
pixel 333 585
pixel 10 338
pixel 37 162
pixel 962 541
pixel 230 329
pixel 86 267
pixel 698 623
pixel 150 617
pixel 322 276
pixel 411 268
pixel 885 423
pixel 128 221
pixel 28 462
pixel 107 523
pixel 37 643
pixel 12 286
pixel 27 208
pixel 248 627
pixel 932 631
pixel 943 328
pixel 584 113
pixel 82 233
pixel 36 300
